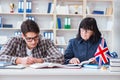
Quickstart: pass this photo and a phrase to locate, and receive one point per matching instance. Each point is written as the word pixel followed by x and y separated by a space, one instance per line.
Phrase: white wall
pixel 117 26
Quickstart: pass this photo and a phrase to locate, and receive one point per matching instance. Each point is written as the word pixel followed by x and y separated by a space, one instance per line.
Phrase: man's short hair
pixel 29 26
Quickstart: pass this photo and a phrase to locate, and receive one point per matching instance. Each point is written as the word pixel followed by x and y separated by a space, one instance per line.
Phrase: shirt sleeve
pixel 68 53
pixel 53 54
pixel 7 51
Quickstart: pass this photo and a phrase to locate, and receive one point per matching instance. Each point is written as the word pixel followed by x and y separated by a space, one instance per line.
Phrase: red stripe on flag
pixel 102 53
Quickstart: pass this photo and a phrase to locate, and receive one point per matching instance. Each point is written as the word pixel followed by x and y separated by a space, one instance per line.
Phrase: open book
pixel 46 65
pixel 52 65
pixel 81 64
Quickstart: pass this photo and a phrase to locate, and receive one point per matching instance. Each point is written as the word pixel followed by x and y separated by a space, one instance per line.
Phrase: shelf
pixel 98 15
pixel 100 0
pixel 9 28
pixel 41 14
pixel 66 29
pixel 69 15
pixel 11 13
pixel 47 21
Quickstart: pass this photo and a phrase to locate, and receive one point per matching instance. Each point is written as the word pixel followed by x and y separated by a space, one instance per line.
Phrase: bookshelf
pixel 73 10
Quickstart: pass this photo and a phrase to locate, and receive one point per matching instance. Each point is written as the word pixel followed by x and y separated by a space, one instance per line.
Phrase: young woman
pixel 84 46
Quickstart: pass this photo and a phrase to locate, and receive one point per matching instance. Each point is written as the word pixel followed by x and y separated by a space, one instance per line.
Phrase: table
pixel 58 74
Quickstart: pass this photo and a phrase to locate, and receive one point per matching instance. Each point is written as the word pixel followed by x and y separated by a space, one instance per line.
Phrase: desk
pixel 58 74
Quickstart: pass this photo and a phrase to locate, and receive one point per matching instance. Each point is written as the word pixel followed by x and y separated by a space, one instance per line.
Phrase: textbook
pixel 81 64
pixel 92 66
pixel 2 63
pixel 46 65
pixel 13 67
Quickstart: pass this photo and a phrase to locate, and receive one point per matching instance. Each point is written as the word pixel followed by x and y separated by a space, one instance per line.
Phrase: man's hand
pixel 28 60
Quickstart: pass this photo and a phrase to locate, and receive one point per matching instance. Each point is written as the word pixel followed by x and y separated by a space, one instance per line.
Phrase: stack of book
pixel 115 64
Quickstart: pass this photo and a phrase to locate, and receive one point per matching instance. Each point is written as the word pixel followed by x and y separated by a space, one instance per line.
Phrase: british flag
pixel 102 54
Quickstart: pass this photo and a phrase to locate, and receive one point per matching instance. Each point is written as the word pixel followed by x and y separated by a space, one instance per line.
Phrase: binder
pixel 29 8
pixel 20 6
pixel 49 7
pixel 59 23
pixel 67 23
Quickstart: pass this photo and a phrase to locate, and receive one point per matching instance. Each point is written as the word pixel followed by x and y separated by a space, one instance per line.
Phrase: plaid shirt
pixel 16 47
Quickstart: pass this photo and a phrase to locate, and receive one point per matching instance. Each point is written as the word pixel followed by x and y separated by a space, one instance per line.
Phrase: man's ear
pixel 23 36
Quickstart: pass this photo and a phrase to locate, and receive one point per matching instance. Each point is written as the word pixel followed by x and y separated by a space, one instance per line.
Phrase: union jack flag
pixel 102 54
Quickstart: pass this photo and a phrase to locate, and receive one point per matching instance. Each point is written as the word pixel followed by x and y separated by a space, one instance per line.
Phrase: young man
pixel 30 48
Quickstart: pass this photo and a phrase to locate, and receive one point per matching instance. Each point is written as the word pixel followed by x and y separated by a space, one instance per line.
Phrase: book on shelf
pixel 60 40
pixel 50 7
pixel 88 10
pixel 3 39
pixel 59 26
pixel 109 11
pixel 28 6
pixel 109 25
pixel 62 9
pixel 21 6
pixel 51 25
pixel 75 9
pixel 48 35
pixel 98 12
pixel 0 22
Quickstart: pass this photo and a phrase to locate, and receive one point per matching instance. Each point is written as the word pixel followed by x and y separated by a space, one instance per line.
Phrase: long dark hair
pixel 90 23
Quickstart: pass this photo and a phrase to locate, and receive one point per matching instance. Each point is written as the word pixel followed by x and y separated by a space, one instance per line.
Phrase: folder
pixel 20 6
pixel 59 23
pixel 49 7
pixel 29 8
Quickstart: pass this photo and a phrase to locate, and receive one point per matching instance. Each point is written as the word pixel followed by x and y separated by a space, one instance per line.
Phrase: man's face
pixel 31 39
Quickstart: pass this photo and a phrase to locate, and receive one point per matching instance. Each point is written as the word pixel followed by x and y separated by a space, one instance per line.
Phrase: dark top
pixel 78 48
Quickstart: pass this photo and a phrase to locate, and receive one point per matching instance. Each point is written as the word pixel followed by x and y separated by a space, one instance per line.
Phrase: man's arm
pixel 53 54
pixel 7 50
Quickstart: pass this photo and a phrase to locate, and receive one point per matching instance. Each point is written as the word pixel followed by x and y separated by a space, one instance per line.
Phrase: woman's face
pixel 86 34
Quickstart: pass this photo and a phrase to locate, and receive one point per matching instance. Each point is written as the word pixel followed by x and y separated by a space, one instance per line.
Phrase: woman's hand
pixel 93 60
pixel 74 61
